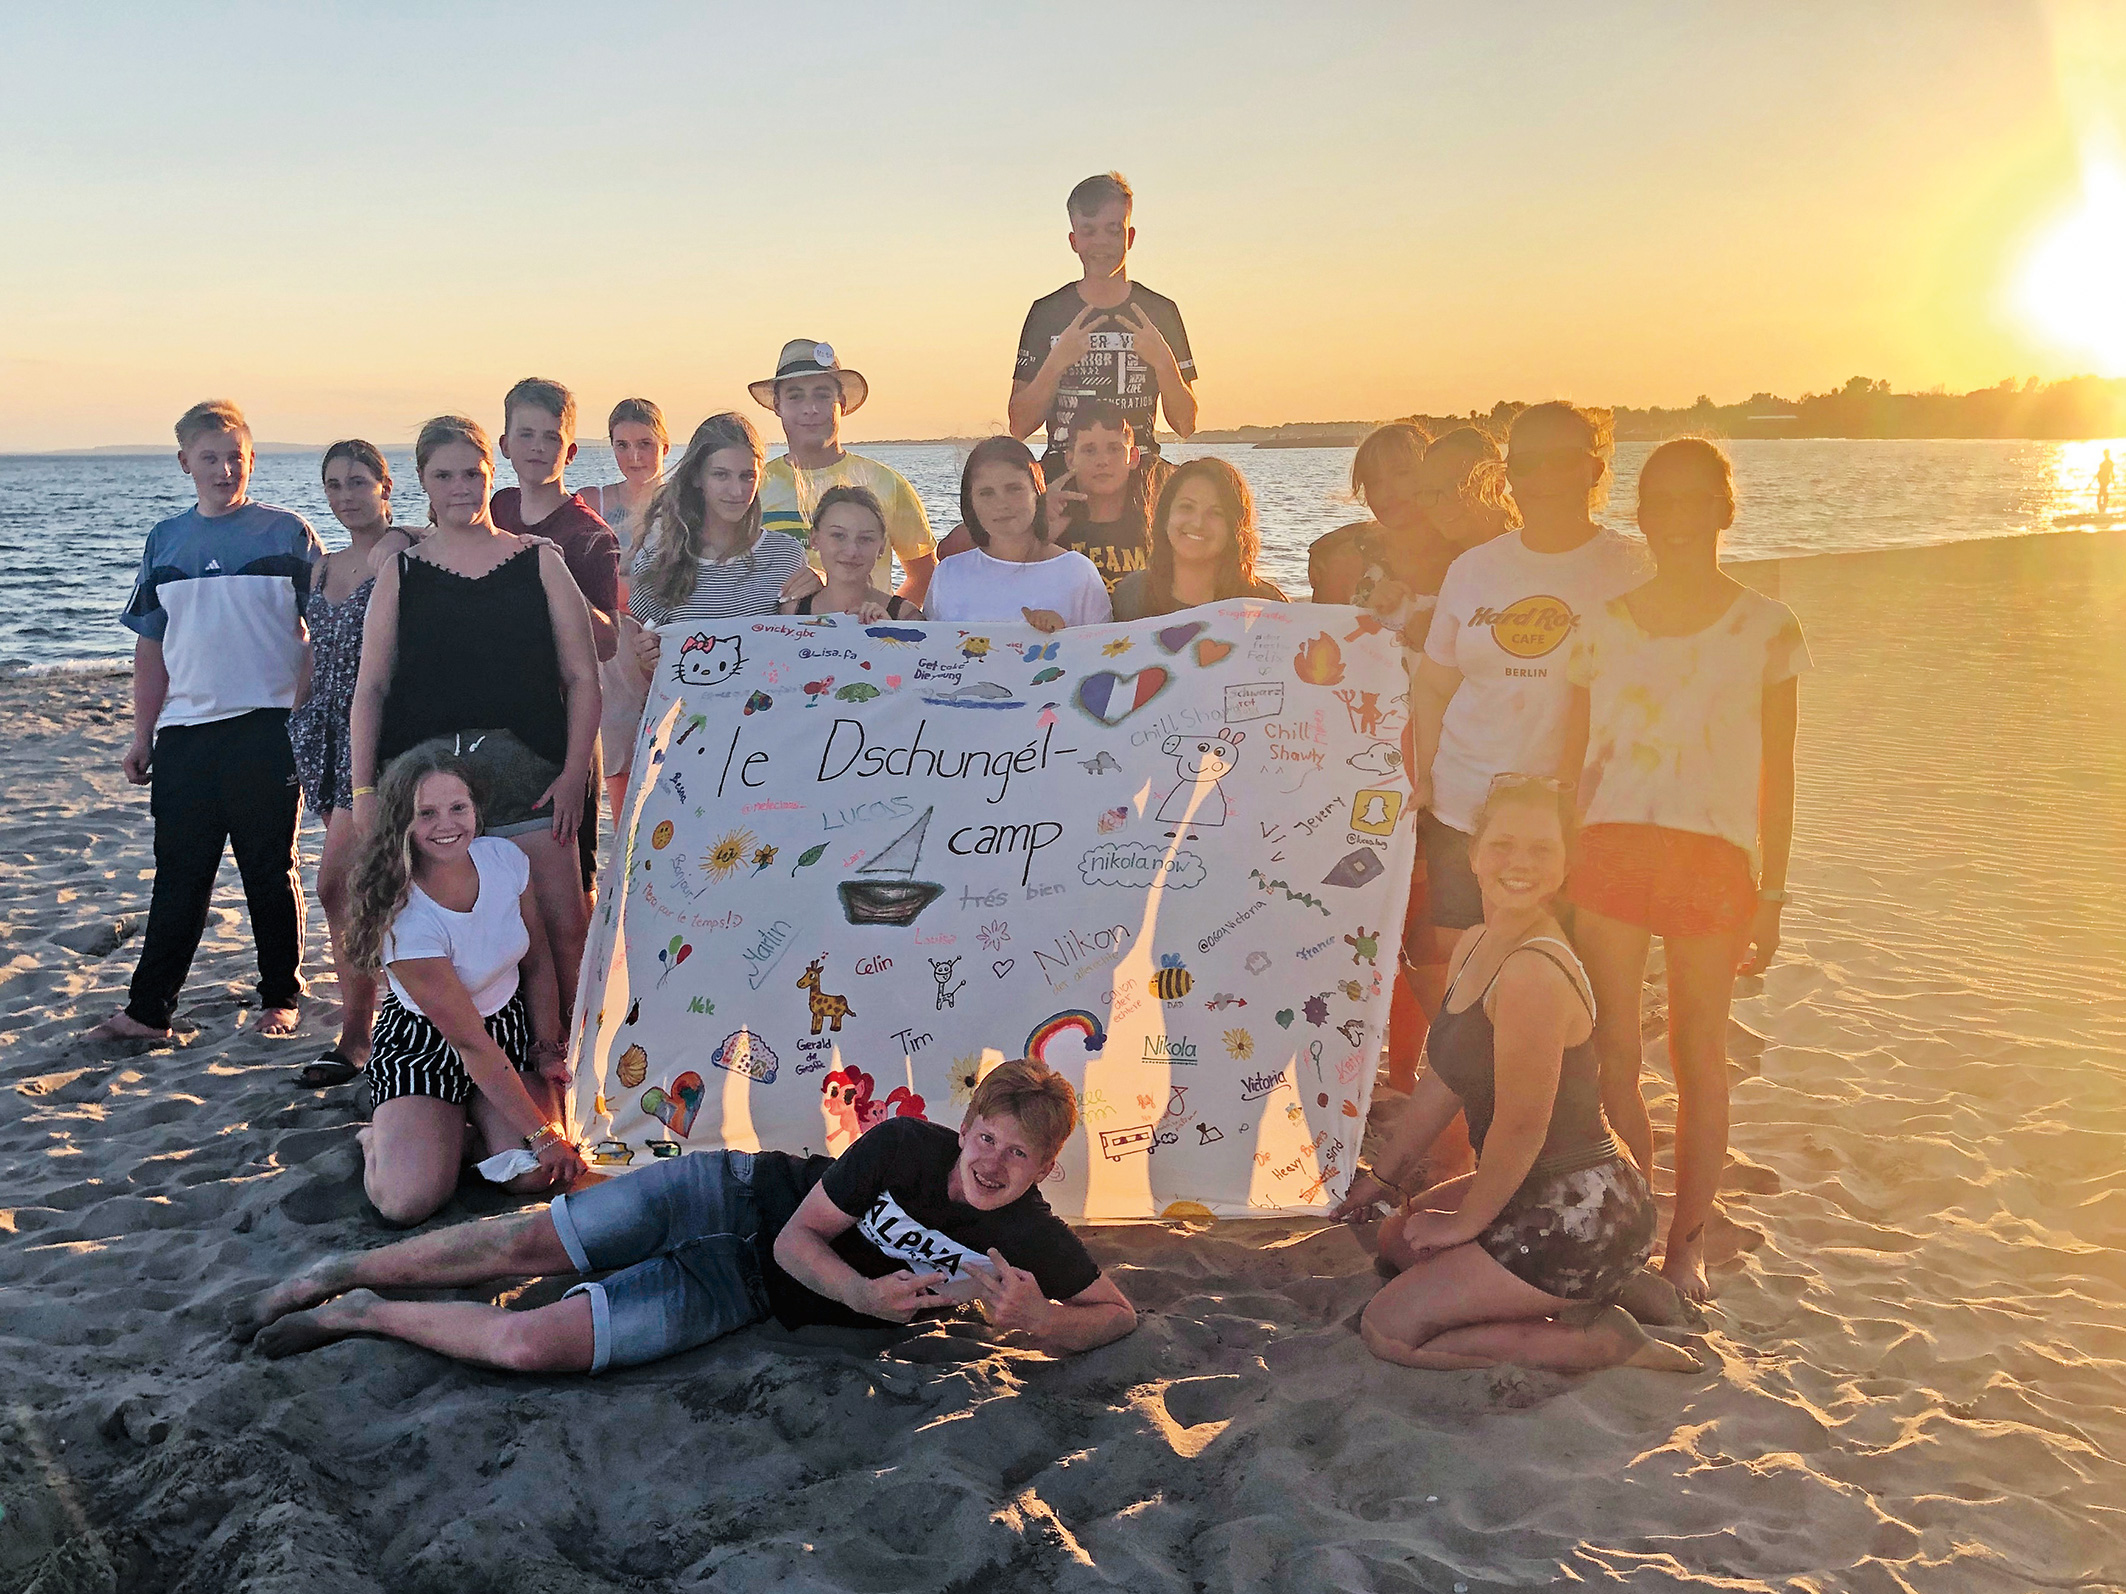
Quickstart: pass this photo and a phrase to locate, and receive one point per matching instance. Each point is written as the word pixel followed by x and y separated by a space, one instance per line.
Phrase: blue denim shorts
pixel 683 1233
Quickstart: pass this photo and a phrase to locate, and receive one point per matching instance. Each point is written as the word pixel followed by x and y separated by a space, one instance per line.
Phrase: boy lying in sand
pixel 910 1221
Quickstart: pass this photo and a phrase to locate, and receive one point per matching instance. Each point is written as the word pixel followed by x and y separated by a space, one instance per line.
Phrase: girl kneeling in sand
pixel 1523 1260
pixel 849 534
pixel 1683 715
pixel 471 1021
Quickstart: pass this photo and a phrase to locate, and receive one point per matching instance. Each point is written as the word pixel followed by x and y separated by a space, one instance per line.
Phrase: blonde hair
pixel 1484 483
pixel 1033 1096
pixel 1540 791
pixel 383 870
pixel 672 528
pixel 211 415
pixel 548 395
pixel 1699 454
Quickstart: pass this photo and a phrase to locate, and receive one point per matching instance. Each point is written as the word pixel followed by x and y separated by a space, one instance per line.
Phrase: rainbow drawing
pixel 1076 1018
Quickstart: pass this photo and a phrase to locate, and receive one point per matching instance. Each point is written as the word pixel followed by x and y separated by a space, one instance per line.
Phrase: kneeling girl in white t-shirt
pixel 471 1022
pixel 1013 573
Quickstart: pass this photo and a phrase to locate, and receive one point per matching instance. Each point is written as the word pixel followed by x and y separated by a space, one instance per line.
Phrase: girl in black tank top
pixel 1555 1217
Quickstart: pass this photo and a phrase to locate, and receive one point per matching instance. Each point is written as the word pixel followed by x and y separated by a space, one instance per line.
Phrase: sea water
pixel 71 526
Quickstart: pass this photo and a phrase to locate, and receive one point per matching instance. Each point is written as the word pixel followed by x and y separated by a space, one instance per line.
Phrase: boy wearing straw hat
pixel 810 392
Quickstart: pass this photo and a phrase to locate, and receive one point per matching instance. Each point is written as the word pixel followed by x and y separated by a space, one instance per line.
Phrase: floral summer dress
pixel 318 729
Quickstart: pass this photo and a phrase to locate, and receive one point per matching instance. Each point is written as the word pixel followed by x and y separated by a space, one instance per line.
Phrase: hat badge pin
pixel 823 353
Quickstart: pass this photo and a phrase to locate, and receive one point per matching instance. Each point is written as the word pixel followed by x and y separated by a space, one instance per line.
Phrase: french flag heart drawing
pixel 1111 698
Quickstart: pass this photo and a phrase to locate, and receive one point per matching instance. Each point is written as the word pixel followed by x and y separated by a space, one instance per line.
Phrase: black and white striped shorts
pixel 409 1056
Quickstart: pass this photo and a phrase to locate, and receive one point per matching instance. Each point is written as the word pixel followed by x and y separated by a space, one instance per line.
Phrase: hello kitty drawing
pixel 708 660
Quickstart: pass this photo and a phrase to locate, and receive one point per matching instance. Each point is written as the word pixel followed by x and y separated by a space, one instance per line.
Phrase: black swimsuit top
pixel 1460 1052
pixel 475 653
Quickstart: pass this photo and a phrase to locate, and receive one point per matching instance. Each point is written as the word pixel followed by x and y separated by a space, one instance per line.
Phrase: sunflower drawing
pixel 1239 1044
pixel 727 854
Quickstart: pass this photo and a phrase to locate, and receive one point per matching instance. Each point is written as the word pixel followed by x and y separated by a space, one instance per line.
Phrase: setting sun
pixel 2071 286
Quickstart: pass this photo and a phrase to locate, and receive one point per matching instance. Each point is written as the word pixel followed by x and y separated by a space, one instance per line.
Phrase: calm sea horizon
pixel 71 526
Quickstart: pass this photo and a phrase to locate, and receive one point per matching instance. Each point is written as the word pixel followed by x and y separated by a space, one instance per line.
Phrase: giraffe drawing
pixel 826 1006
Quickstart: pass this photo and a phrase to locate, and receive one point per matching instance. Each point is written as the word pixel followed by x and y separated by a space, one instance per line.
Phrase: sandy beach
pixel 1917 1357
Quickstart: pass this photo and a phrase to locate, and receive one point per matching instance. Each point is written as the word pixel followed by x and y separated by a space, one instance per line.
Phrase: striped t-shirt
pixel 747 583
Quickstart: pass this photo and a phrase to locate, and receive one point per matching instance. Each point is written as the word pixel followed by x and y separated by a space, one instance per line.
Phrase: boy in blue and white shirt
pixel 219 658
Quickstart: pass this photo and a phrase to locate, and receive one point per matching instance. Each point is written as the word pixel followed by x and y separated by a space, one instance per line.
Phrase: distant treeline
pixel 2081 406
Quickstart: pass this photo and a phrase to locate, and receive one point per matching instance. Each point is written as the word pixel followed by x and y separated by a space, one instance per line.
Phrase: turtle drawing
pixel 857 692
pixel 1365 944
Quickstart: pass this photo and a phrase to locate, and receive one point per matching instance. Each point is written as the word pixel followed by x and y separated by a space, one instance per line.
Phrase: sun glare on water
pixel 2073 287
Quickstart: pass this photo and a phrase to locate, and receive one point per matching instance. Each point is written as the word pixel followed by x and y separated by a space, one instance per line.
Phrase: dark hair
pixel 863 497
pixel 1700 454
pixel 363 453
pixel 1001 450
pixel 1103 413
pixel 639 412
pixel 1236 567
pixel 1095 194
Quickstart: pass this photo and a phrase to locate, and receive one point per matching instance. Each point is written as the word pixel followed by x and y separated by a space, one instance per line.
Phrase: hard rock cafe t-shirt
pixel 1505 619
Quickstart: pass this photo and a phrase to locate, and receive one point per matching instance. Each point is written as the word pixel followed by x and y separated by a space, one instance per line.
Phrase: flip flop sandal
pixel 332 1067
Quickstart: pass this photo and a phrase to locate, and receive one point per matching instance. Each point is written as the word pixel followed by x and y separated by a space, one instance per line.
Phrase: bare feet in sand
pixel 1652 1299
pixel 321 1325
pixel 1684 1267
pixel 1643 1350
pixel 318 1282
pixel 279 1021
pixel 122 1026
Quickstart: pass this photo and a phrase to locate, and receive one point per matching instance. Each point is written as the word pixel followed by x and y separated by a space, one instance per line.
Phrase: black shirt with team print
pixel 893 1182
pixel 1111 371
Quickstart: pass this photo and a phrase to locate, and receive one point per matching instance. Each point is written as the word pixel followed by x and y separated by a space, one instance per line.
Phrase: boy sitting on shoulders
pixel 912 1221
pixel 220 656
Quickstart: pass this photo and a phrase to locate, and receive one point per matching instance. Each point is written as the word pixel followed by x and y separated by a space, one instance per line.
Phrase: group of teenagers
pixel 1600 738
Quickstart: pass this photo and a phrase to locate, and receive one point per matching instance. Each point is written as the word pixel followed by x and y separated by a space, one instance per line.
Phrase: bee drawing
pixel 1172 982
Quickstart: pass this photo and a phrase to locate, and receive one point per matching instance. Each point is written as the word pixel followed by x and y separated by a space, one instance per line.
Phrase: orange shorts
pixel 1670 882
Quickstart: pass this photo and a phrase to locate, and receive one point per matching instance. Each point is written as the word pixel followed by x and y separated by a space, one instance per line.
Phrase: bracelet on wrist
pixel 540 1138
pixel 363 791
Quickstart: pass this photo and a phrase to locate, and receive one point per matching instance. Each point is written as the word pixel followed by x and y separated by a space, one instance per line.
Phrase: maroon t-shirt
pixel 587 543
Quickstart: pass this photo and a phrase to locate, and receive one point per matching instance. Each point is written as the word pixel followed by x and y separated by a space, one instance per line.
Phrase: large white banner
pixel 863 862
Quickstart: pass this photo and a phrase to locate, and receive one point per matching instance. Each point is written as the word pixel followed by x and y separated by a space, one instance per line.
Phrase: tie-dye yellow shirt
pixel 1676 724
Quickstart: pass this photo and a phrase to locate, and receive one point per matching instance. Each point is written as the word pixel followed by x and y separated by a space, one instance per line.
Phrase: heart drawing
pixel 1284 1018
pixel 1210 650
pixel 1176 637
pixel 1001 967
pixel 1111 698
pixel 677 1107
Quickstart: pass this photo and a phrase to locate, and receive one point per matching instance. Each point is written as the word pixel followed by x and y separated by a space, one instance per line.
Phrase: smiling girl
pixel 849 534
pixel 1523 1260
pixel 471 1023
pixel 1683 712
pixel 1204 545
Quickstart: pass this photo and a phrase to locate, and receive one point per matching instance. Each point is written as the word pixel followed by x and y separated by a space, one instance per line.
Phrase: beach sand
pixel 1917 1351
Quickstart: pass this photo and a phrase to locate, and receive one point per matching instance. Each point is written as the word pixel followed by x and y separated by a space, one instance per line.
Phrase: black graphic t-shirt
pixel 893 1182
pixel 1111 370
pixel 1116 547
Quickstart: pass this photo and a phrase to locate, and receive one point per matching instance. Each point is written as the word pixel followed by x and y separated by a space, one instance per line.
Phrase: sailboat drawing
pixel 894 896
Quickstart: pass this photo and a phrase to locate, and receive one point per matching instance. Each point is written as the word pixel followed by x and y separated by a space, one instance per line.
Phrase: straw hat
pixel 809 357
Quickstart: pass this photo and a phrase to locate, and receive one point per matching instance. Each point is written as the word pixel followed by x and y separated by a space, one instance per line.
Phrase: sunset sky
pixel 351 217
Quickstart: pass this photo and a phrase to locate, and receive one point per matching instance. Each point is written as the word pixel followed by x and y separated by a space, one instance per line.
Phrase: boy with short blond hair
pixel 1103 337
pixel 220 655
